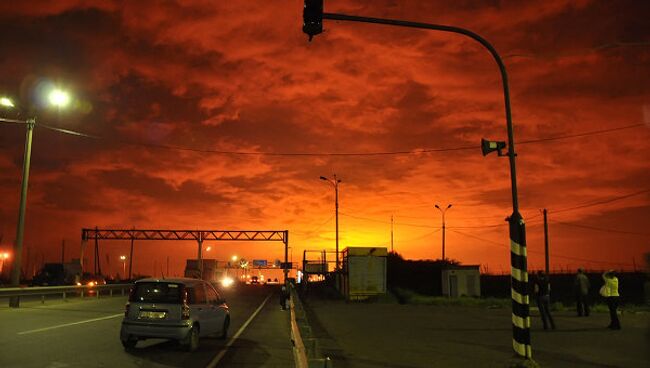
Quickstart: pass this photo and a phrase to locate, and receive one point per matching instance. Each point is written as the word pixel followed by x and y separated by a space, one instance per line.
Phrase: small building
pixel 364 272
pixel 461 281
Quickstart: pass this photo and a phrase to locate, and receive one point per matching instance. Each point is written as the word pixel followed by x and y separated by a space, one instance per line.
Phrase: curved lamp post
pixel 335 182
pixel 313 16
pixel 57 98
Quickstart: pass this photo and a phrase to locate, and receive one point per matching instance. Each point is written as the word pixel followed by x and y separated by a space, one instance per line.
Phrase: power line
pixel 540 252
pixel 298 154
pixel 602 201
pixel 388 222
pixel 578 135
pixel 604 46
pixel 600 228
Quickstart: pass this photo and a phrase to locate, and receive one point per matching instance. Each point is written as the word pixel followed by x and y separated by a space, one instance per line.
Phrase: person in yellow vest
pixel 610 292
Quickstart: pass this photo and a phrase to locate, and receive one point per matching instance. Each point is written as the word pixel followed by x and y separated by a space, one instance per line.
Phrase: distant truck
pixel 54 274
pixel 210 271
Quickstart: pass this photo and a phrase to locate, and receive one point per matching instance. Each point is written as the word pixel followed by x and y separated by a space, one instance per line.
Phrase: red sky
pixel 241 76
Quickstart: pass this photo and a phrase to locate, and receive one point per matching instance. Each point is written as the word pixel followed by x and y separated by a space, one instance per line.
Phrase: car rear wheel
pixel 224 331
pixel 129 343
pixel 191 342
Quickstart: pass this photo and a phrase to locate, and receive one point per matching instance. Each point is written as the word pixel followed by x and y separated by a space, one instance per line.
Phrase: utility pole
pixel 391 234
pixel 336 189
pixel 546 258
pixel 14 302
pixel 443 227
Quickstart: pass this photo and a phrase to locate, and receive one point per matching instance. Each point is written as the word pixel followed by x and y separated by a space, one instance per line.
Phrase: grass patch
pixel 405 296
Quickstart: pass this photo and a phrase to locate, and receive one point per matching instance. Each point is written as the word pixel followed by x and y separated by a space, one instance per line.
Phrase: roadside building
pixel 460 280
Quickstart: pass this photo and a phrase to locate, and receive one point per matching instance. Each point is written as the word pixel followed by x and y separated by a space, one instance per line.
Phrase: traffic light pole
pixel 313 16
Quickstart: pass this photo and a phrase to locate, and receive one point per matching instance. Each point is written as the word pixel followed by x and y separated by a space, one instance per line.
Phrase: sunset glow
pixel 221 115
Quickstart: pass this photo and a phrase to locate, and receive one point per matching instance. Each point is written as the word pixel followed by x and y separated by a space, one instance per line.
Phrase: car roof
pixel 175 280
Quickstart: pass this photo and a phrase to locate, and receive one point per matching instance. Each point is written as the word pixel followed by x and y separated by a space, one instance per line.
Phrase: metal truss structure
pixel 197 235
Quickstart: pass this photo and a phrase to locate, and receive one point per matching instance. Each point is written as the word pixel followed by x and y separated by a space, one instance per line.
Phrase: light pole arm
pixel 482 41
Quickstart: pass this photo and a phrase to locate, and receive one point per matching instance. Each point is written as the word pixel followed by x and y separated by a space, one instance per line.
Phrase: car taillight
pixel 126 309
pixel 185 311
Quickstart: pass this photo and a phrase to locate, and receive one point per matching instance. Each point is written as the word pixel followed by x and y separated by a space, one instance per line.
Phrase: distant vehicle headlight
pixel 227 281
pixel 91 283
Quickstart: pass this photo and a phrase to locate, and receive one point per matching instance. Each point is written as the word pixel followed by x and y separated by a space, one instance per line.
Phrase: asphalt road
pixel 86 334
pixel 365 335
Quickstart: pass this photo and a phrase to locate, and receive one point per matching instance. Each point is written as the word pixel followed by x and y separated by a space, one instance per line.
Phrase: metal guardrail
pixel 65 291
pixel 305 346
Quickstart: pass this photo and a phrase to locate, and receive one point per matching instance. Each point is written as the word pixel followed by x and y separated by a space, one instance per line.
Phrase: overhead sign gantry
pixel 198 235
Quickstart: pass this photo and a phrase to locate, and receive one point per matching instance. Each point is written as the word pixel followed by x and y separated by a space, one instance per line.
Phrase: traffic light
pixel 490 146
pixel 312 18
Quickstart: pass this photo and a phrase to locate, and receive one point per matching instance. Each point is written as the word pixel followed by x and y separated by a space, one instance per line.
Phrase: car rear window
pixel 157 292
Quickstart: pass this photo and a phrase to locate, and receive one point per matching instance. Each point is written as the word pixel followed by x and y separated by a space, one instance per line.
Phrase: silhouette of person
pixel 581 288
pixel 542 292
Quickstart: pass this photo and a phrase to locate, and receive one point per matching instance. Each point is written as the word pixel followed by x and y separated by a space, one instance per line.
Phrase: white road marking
pixel 223 352
pixel 70 324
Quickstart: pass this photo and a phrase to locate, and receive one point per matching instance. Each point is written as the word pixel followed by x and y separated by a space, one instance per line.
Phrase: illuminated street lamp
pixel 313 16
pixel 123 259
pixel 6 102
pixel 443 227
pixel 57 98
pixel 335 182
pixel 234 258
pixel 3 256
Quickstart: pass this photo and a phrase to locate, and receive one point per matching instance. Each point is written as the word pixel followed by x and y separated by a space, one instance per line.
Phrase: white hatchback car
pixel 181 309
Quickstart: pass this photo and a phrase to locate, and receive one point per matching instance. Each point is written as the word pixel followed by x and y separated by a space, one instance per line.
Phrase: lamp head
pixel 312 18
pixel 490 146
pixel 59 98
pixel 323 178
pixel 6 102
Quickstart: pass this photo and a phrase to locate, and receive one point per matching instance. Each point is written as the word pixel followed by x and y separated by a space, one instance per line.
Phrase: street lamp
pixel 6 102
pixel 313 24
pixel 3 257
pixel 335 182
pixel 123 259
pixel 57 98
pixel 443 227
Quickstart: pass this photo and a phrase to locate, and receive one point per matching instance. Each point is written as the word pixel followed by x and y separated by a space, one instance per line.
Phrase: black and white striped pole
pixel 313 16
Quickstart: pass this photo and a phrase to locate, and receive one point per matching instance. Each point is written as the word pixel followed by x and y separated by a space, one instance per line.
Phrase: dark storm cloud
pixel 189 193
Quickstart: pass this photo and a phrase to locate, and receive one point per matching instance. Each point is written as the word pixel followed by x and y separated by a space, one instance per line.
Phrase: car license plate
pixel 151 315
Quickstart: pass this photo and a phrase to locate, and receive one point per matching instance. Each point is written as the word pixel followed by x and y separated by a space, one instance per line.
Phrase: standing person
pixel 542 292
pixel 610 292
pixel 581 287
pixel 284 296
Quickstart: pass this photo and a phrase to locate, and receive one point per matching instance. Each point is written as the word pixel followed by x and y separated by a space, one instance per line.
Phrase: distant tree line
pixel 425 277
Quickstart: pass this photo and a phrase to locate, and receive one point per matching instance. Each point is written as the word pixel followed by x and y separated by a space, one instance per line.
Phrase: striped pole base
pixel 519 287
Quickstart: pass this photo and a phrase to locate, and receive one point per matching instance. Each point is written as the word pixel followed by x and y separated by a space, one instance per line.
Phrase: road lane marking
pixel 223 352
pixel 70 324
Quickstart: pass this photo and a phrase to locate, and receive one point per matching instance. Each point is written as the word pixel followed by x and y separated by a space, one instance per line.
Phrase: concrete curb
pixel 306 352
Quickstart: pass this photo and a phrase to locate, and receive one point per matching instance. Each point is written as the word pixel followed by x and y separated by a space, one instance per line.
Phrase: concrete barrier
pixel 306 350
